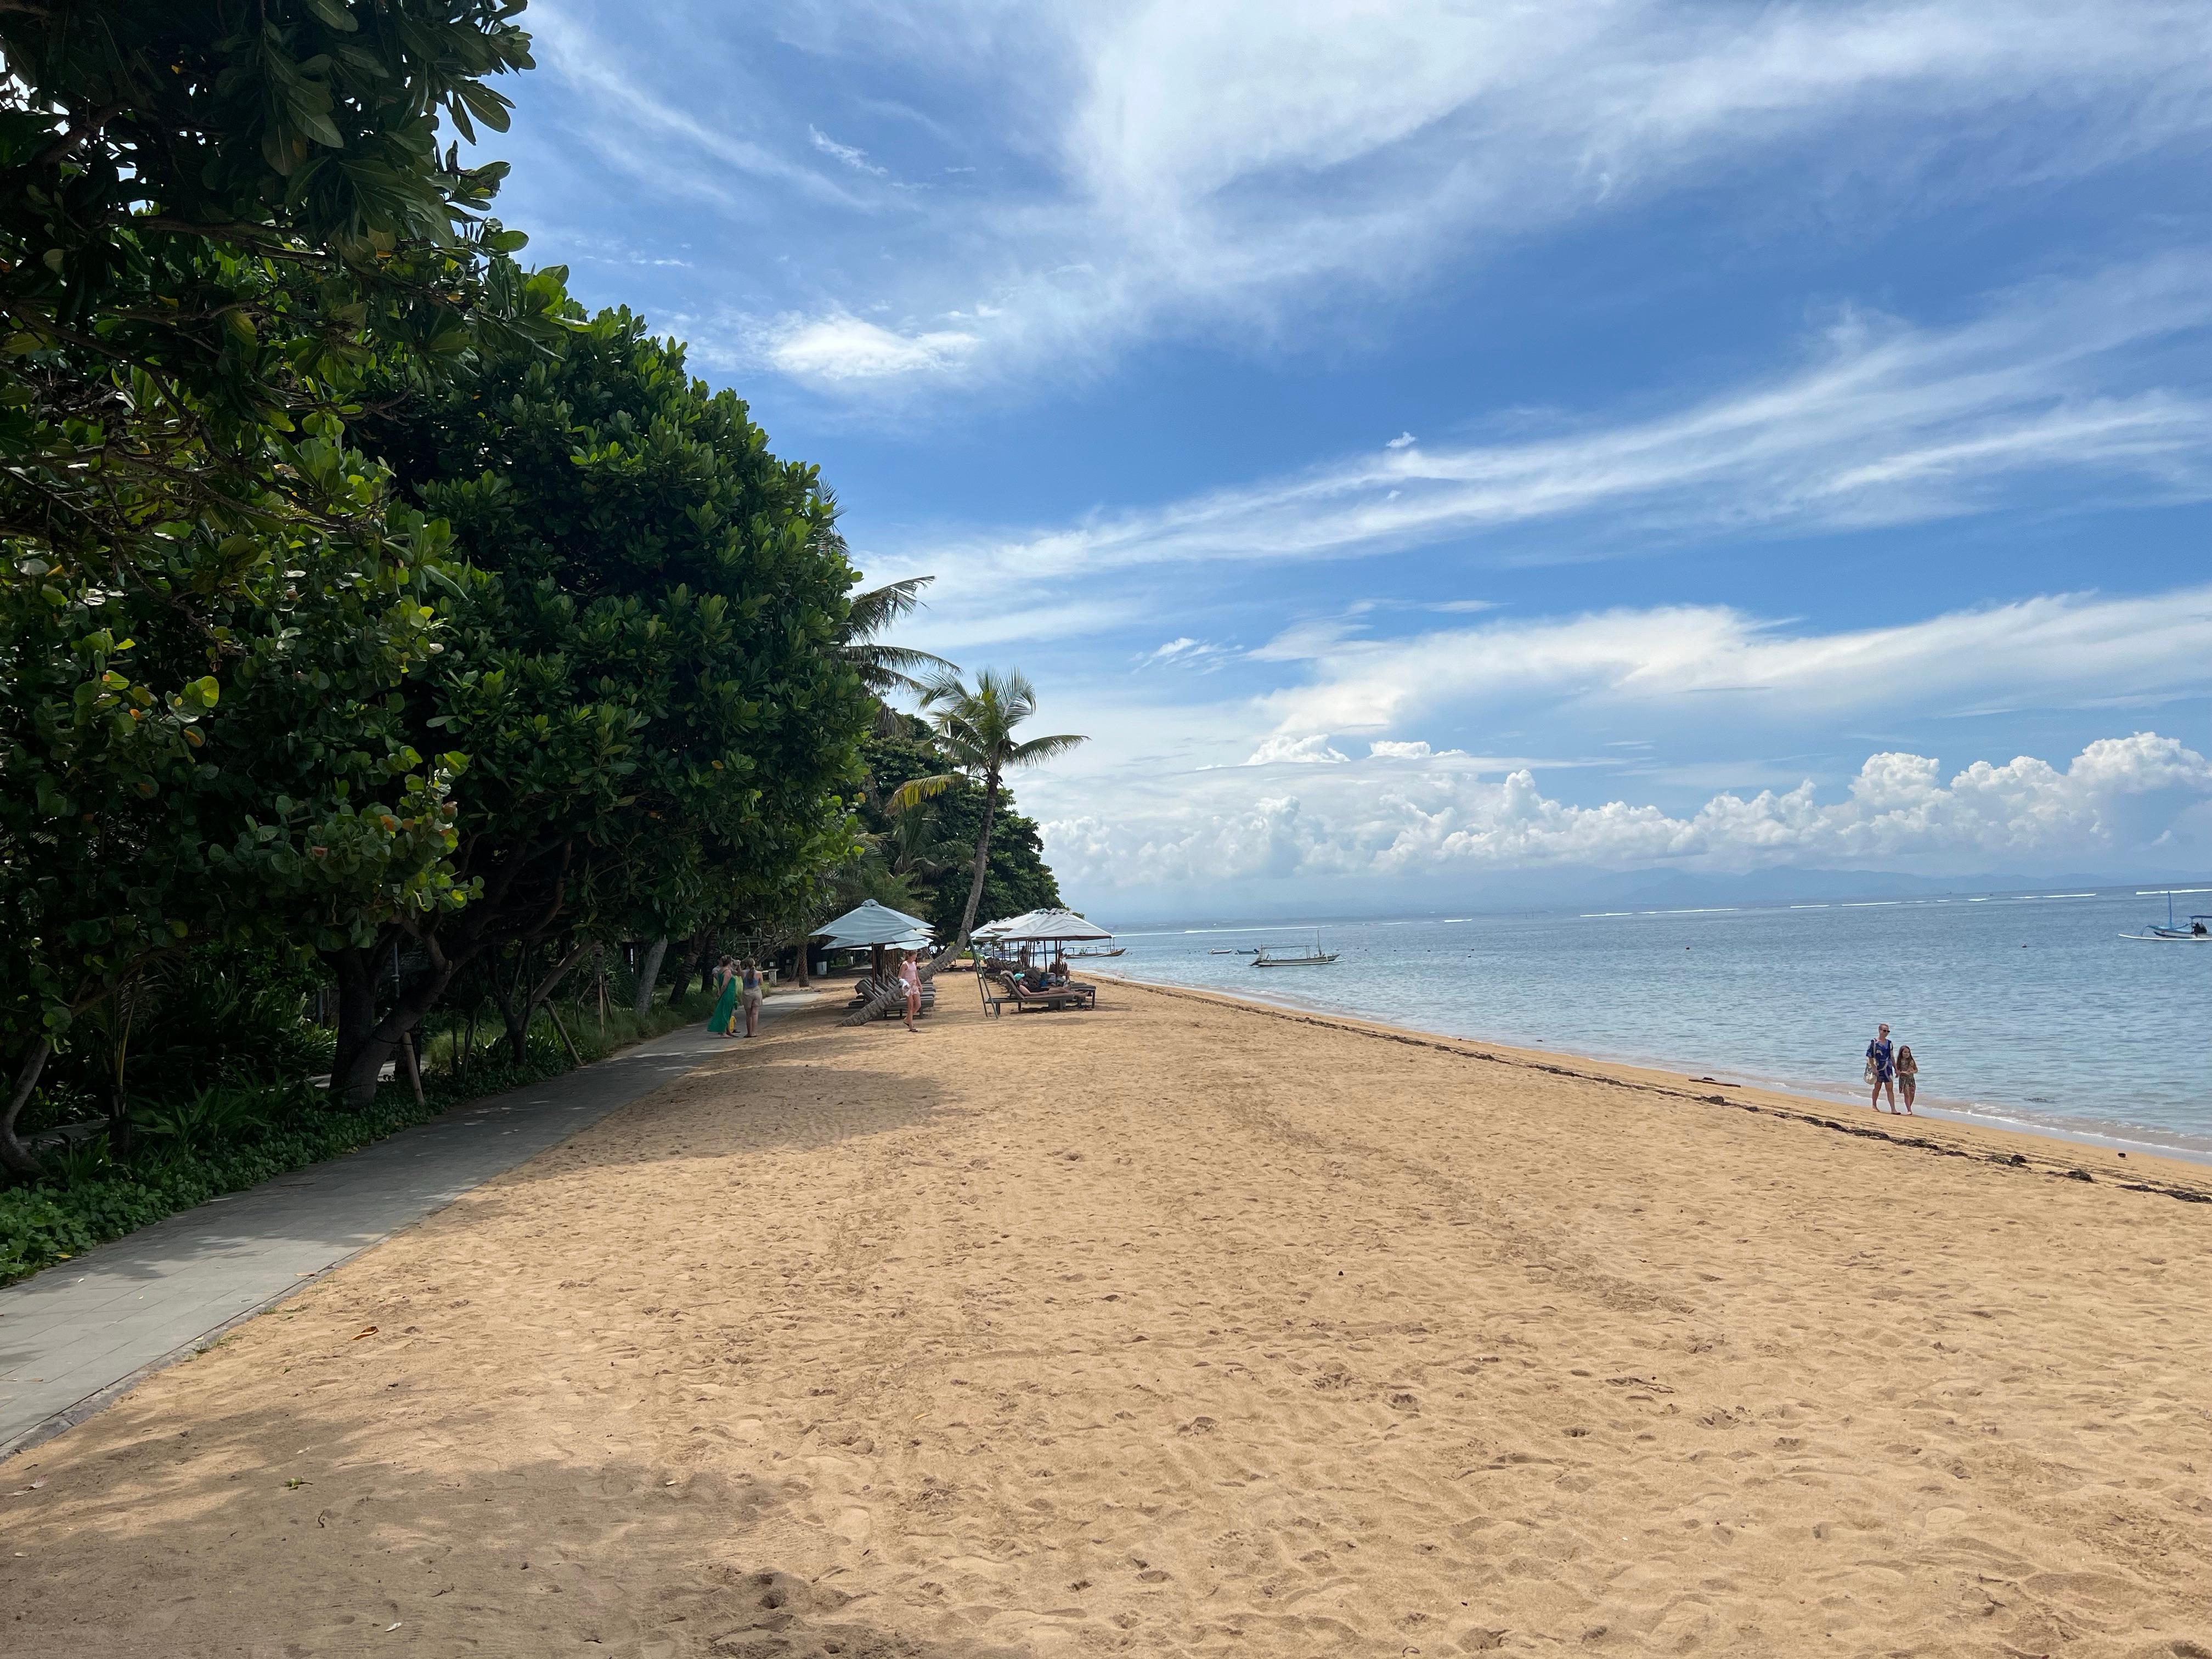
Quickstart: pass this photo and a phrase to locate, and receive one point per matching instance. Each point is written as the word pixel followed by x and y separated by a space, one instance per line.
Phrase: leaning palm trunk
pixel 976 880
pixel 886 1000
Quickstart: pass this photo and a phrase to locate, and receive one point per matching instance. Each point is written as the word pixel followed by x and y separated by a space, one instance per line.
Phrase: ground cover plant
pixel 225 1137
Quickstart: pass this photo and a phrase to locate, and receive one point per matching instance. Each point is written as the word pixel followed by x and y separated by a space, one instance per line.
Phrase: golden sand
pixel 1183 1328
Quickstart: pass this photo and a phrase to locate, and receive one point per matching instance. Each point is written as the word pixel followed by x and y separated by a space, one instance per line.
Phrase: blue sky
pixel 1435 446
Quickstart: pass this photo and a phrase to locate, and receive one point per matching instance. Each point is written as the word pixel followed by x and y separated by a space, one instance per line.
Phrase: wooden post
pixel 414 1068
pixel 554 1014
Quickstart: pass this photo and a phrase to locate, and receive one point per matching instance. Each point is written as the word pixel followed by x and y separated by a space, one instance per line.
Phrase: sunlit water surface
pixel 2028 1008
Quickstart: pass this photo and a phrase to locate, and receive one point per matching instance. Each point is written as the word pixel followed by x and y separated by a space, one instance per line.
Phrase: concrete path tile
pixel 75 1336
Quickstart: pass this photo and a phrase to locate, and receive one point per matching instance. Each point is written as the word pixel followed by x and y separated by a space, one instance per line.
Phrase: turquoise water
pixel 2025 1008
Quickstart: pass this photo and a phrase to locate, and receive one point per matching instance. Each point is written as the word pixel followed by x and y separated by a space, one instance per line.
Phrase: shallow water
pixel 2028 1008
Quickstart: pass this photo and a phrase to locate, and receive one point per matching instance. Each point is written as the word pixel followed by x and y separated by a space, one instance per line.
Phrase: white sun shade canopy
pixel 1043 927
pixel 870 923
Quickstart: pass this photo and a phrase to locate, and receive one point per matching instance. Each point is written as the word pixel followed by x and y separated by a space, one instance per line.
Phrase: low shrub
pixel 225 1138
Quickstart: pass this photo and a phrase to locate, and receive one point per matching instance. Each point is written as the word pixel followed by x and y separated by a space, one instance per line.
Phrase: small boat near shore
pixel 1272 955
pixel 2197 931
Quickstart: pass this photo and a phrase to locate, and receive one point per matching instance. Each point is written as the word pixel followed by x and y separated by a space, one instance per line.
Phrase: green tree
pixel 975 727
pixel 216 218
pixel 644 661
pixel 283 800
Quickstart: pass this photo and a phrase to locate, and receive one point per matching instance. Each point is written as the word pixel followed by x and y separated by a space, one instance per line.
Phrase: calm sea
pixel 2026 1008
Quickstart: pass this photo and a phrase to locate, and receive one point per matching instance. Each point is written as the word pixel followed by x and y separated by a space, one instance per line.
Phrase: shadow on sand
pixel 235 1538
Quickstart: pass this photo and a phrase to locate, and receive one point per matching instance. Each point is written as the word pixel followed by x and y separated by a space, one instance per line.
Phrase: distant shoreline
pixel 2189 1161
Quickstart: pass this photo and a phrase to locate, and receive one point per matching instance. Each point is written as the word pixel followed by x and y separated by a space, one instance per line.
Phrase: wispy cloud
pixel 2055 651
pixel 841 347
pixel 1882 424
pixel 851 157
pixel 1237 164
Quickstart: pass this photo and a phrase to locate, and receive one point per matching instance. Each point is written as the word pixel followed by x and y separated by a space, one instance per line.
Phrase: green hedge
pixel 49 1223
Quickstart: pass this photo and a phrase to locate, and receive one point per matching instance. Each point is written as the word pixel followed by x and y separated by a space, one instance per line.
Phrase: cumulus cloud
pixel 1385 749
pixel 1301 751
pixel 2119 795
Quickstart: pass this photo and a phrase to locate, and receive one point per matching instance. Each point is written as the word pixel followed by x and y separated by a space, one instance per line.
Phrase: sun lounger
pixel 1059 996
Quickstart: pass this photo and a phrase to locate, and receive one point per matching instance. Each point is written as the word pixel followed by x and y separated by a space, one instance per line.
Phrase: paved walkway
pixel 77 1335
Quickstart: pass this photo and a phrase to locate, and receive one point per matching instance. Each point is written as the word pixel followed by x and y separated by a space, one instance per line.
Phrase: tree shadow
pixel 235 1539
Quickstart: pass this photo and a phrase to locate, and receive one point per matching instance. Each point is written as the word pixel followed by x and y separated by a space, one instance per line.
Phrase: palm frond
pixel 920 789
pixel 1037 750
pixel 879 607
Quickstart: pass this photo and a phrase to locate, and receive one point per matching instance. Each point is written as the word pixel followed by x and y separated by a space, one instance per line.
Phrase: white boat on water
pixel 1276 956
pixel 2197 931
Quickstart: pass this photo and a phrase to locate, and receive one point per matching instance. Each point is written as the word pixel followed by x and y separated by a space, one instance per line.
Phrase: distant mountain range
pixel 1586 889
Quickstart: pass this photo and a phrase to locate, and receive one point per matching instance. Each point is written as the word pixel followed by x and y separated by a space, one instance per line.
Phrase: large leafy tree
pixel 214 215
pixel 644 661
pixel 975 728
pixel 271 794
pixel 216 218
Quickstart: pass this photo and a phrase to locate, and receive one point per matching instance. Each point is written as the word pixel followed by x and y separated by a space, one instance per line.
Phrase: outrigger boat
pixel 2199 931
pixel 1271 955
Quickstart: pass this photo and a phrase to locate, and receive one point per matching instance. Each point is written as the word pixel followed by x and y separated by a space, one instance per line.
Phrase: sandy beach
pixel 1182 1326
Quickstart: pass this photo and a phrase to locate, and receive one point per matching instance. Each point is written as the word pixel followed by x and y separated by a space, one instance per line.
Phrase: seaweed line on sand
pixel 2051 1167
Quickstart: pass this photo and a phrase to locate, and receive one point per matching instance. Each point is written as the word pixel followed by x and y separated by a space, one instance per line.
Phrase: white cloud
pixel 641 119
pixel 1244 162
pixel 1306 751
pixel 1884 424
pixel 1185 652
pixel 854 158
pixel 2119 796
pixel 2053 650
pixel 1403 440
pixel 1385 749
pixel 840 347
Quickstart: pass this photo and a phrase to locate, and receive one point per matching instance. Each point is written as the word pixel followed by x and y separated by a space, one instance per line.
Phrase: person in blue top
pixel 1881 1068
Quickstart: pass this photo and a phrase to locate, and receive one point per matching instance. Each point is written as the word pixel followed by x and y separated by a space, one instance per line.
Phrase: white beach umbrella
pixel 870 923
pixel 1052 927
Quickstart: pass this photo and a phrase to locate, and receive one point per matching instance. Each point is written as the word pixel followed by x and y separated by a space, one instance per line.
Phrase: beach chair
pixel 989 987
pixel 1059 996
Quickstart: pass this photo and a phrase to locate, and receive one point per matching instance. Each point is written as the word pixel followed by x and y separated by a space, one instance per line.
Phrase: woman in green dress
pixel 726 1005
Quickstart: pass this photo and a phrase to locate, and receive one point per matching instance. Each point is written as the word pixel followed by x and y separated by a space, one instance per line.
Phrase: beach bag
pixel 1873 1073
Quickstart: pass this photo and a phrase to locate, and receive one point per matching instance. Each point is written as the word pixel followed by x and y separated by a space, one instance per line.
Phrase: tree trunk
pixel 976 881
pixel 648 971
pixel 365 1042
pixel 356 1020
pixel 13 1154
pixel 531 999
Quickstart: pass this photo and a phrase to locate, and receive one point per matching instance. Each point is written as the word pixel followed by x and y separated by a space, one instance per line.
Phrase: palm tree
pixel 885 669
pixel 975 727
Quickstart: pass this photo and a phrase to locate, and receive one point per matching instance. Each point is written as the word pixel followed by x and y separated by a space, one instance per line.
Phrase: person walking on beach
pixel 910 975
pixel 726 999
pixel 1908 1076
pixel 1881 1068
pixel 749 990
